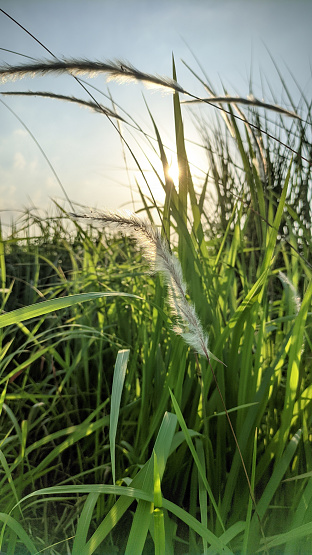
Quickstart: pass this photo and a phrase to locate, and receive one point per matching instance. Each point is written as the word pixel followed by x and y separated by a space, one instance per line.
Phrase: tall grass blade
pixel 118 383
pixel 45 307
pixel 80 541
pixel 158 513
pixel 271 487
pixel 195 457
pixel 15 526
pixel 144 477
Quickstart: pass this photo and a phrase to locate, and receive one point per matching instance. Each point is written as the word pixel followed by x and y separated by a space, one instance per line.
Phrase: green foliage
pixel 113 437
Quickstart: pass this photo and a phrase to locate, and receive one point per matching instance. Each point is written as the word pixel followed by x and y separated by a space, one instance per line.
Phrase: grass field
pixel 113 434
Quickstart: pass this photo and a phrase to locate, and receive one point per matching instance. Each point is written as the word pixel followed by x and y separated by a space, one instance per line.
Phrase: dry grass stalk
pixel 96 106
pixel 118 70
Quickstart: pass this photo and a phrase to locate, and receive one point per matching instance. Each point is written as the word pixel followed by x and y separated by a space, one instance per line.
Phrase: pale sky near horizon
pixel 231 39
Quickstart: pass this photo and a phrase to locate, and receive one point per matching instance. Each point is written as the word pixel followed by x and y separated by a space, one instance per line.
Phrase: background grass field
pixel 113 436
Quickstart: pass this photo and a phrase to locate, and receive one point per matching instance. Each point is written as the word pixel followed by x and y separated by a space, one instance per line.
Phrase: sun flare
pixel 174 171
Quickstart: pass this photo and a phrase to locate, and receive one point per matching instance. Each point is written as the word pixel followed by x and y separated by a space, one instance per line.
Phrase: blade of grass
pixel 118 383
pixel 45 307
pixel 250 504
pixel 19 531
pixel 158 513
pixel 195 456
pixel 202 492
pixel 145 475
pixel 79 545
pixel 274 482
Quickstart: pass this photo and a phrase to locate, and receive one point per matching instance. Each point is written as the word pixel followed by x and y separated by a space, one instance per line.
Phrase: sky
pixel 233 40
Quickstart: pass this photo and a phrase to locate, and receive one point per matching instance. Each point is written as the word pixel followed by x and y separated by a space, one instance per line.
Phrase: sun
pixel 174 172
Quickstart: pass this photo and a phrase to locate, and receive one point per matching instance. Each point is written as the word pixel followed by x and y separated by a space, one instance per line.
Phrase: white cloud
pixel 19 161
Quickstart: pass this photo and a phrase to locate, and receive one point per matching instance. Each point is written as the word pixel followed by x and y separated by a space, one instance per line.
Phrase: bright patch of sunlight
pixel 173 172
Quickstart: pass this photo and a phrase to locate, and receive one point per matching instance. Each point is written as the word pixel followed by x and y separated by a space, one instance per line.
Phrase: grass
pixel 113 434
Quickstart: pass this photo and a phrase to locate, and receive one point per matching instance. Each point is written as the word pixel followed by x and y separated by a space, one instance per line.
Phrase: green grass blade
pixel 135 493
pixel 2 396
pixel 19 531
pixel 79 545
pixel 202 492
pixel 218 544
pixel 294 349
pixel 145 476
pixel 300 515
pixel 269 250
pixel 159 523
pixel 118 383
pixel 229 535
pixel 2 265
pixel 144 512
pixel 9 476
pixel 250 503
pixel 195 456
pixel 46 307
pixel 278 473
pixel 292 536
pixel 139 528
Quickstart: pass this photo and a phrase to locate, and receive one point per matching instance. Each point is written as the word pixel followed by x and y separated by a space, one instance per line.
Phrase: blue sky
pixel 231 39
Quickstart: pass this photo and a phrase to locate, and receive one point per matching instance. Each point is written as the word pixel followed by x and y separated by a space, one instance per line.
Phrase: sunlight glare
pixel 173 172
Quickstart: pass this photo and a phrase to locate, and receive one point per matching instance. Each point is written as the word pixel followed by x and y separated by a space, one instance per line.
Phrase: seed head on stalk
pixel 160 259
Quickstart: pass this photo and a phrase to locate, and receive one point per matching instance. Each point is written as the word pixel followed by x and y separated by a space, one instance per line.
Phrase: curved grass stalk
pixel 249 101
pixel 124 72
pixel 96 106
pixel 161 260
pixel 118 70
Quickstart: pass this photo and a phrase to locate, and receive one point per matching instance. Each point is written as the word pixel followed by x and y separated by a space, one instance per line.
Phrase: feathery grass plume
pixel 119 70
pixel 124 72
pixel 161 260
pixel 249 101
pixel 96 106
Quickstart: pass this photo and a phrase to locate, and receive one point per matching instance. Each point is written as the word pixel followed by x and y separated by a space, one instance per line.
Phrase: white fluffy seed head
pixel 161 260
